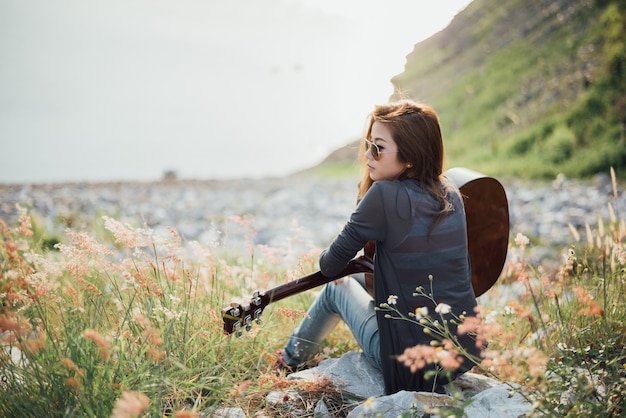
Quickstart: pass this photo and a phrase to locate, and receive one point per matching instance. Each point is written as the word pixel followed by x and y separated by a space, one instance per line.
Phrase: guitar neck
pixel 294 287
pixel 312 280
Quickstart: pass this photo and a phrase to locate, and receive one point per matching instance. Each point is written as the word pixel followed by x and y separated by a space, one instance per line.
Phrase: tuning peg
pixel 237 329
pixel 247 322
pixel 257 315
pixel 235 311
pixel 256 298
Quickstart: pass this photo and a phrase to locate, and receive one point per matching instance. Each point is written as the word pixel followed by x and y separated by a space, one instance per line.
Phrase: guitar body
pixel 487 215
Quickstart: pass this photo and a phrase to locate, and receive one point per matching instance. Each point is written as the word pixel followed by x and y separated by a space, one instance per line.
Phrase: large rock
pixel 359 381
pixel 351 373
pixel 501 401
pixel 395 405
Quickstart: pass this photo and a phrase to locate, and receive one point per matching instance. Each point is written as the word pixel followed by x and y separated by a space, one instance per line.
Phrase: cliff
pixel 527 88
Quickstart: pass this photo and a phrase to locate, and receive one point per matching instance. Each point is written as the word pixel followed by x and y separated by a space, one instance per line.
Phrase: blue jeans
pixel 345 300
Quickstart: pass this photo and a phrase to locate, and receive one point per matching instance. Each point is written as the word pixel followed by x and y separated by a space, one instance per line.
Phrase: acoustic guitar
pixel 487 216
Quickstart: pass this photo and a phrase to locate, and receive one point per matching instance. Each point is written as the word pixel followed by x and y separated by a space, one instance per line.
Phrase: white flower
pixel 522 240
pixel 421 312
pixel 443 308
pixel 509 310
pixel 491 317
pixel 533 337
pixel 392 300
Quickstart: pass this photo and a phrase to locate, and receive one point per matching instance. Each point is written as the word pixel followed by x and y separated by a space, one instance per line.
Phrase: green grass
pixel 503 75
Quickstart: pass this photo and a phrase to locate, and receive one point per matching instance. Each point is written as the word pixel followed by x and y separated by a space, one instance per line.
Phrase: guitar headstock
pixel 238 317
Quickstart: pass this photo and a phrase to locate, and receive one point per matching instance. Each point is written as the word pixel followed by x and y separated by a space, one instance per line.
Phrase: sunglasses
pixel 374 149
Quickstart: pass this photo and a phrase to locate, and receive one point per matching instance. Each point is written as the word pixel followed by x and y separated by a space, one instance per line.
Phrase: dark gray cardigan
pixel 399 216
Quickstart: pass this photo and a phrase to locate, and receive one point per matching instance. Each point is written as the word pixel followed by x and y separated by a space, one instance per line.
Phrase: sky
pixel 129 89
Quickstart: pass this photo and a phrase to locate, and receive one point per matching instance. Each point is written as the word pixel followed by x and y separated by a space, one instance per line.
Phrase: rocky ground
pixel 295 209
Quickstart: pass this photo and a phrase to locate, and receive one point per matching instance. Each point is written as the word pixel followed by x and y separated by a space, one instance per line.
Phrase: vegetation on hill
pixel 527 88
pixel 524 89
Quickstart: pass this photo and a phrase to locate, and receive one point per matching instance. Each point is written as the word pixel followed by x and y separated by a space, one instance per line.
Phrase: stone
pixel 470 384
pixel 351 373
pixel 321 410
pixel 229 413
pixel 277 397
pixel 395 405
pixel 362 384
pixel 501 401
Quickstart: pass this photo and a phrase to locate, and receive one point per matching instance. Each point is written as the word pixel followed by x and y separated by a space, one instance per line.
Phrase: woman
pixel 416 218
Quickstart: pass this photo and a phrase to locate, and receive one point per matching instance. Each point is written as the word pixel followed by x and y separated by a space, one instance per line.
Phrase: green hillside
pixel 527 88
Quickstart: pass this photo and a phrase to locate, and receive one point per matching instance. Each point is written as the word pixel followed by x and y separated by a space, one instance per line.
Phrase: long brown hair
pixel 415 130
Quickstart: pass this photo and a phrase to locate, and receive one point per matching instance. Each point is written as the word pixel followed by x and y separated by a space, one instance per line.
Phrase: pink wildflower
pixel 99 340
pixel 130 405
pixel 449 359
pixel 126 235
pixel 26 226
pixel 186 414
pixel 592 307
pixel 418 356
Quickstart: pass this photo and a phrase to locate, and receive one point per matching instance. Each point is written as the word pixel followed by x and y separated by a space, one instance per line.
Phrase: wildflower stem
pixel 536 305
pixel 604 291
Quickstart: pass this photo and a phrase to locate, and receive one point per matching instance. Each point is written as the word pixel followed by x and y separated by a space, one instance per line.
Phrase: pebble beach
pixel 299 212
